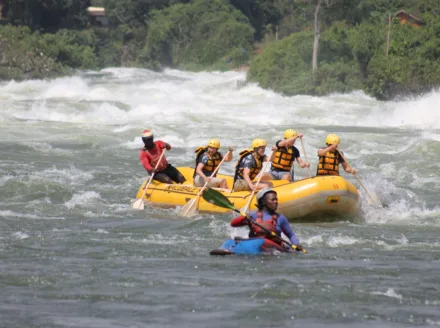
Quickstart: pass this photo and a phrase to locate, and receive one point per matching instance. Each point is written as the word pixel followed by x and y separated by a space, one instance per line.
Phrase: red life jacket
pixel 153 158
pixel 270 226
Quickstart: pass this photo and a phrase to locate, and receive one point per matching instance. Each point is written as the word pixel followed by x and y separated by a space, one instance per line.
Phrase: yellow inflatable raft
pixel 313 198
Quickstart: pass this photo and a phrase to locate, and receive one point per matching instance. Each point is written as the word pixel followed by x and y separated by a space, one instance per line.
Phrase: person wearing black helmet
pixel 149 156
pixel 267 217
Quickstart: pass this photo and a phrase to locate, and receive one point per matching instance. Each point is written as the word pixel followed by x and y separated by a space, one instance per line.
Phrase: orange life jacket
pixel 328 164
pixel 283 158
pixel 253 171
pixel 213 161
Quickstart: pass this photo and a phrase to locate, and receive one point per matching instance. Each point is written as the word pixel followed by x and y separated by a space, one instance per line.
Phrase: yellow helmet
pixel 290 133
pixel 215 143
pixel 259 143
pixel 332 139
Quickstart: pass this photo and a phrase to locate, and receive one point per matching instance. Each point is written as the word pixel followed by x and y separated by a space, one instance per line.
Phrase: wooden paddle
pixel 139 203
pixel 244 209
pixel 217 198
pixel 305 155
pixel 190 209
pixel 373 199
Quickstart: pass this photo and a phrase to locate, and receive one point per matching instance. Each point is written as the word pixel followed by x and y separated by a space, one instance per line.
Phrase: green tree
pixel 200 33
pixel 366 40
pixel 412 66
pixel 316 27
pixel 48 15
pixel 261 13
pixel 285 66
pixel 134 13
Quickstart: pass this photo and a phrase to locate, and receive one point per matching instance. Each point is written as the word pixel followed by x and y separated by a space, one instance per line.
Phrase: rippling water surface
pixel 75 254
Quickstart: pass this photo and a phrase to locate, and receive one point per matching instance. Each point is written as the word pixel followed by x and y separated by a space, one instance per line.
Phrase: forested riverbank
pixel 387 49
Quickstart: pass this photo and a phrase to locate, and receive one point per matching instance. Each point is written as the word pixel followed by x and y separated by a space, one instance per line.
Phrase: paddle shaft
pixel 256 184
pixel 152 176
pixel 357 178
pixel 305 155
pixel 194 201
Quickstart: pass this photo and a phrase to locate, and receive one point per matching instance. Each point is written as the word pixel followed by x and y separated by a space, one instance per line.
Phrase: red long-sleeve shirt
pixel 150 157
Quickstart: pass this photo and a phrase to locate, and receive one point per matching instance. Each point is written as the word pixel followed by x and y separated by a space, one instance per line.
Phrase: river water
pixel 73 252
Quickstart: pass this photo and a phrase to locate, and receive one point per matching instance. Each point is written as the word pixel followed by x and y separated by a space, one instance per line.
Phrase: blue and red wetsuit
pixel 275 223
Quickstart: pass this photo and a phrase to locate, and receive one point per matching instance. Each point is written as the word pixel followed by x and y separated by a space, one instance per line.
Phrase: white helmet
pixel 263 192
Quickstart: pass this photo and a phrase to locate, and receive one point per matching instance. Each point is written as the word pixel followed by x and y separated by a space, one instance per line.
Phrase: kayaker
pixel 330 158
pixel 208 159
pixel 285 155
pixel 266 216
pixel 149 156
pixel 249 165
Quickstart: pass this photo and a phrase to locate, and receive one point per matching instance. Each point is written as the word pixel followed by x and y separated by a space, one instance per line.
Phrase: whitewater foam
pixel 111 107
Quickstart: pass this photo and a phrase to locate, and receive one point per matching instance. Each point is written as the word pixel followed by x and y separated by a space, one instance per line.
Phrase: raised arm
pixel 229 157
pixel 323 151
pixel 290 141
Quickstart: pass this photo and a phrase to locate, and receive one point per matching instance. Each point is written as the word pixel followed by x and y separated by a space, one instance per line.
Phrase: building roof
pixel 410 16
pixel 96 11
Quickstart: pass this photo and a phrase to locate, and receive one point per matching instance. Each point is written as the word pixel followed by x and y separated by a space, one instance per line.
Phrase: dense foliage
pixel 52 35
pixel 47 15
pixel 352 52
pixel 200 33
pixel 34 55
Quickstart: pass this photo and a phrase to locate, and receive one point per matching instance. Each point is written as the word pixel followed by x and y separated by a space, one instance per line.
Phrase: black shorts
pixel 173 174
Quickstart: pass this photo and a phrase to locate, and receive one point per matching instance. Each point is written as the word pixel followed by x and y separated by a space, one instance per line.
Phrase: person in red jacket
pixel 149 156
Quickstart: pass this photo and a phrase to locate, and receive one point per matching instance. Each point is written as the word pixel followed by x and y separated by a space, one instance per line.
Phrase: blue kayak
pixel 253 246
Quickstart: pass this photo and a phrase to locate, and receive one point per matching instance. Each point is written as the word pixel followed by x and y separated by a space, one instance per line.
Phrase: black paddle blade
pixel 217 198
pixel 221 252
